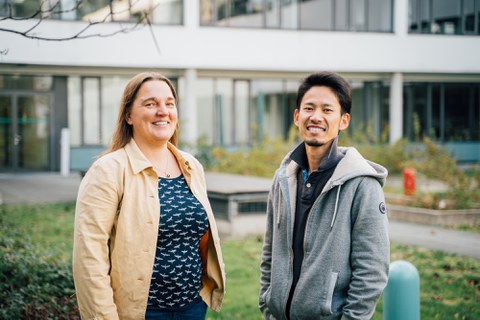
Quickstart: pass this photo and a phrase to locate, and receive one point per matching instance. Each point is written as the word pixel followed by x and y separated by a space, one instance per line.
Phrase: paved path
pixel 52 187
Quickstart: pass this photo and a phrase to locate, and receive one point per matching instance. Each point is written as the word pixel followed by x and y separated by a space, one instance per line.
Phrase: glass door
pixel 25 132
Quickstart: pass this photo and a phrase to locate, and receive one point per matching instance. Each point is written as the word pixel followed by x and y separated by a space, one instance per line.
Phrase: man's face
pixel 319 118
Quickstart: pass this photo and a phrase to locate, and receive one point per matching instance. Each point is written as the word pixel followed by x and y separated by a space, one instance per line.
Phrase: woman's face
pixel 154 113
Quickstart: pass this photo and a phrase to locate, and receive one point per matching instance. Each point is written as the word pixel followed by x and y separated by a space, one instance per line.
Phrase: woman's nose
pixel 161 109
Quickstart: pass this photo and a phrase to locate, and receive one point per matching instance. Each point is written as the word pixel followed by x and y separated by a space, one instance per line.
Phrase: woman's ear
pixel 128 119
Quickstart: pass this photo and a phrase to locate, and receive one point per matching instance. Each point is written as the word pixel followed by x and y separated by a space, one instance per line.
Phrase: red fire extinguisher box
pixel 409 181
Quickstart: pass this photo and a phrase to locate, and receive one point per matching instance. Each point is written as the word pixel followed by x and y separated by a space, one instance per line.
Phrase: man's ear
pixel 295 117
pixel 344 121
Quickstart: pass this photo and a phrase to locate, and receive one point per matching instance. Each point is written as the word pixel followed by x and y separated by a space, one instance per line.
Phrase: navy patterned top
pixel 177 271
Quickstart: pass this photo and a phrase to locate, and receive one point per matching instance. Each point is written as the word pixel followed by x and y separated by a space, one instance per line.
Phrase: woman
pixel 146 244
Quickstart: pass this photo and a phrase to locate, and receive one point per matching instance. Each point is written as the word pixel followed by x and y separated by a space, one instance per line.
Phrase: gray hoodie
pixel 346 246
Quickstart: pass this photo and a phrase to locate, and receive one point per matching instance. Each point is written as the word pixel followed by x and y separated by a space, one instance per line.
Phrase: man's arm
pixel 266 262
pixel 370 255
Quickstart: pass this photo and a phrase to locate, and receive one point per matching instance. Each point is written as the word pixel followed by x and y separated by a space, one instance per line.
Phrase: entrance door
pixel 25 132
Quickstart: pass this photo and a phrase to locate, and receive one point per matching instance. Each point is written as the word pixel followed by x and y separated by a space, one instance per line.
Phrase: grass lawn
pixel 449 285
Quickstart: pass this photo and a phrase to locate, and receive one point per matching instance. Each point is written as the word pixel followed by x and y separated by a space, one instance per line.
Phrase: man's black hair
pixel 340 87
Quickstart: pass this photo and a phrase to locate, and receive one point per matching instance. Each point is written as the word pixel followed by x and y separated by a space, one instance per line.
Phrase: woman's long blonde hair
pixel 124 131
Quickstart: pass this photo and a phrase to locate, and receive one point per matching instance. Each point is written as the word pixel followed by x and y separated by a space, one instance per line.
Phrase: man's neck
pixel 315 155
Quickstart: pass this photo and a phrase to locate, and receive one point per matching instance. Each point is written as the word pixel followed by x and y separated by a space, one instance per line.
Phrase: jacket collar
pixel 139 162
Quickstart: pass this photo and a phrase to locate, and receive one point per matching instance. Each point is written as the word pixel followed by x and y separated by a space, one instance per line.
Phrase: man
pixel 326 247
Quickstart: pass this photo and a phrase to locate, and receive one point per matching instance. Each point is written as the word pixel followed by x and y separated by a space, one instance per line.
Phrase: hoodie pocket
pixel 328 294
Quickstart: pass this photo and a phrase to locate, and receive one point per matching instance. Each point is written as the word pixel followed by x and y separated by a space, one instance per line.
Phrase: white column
pixel 65 152
pixel 400 18
pixel 396 107
pixel 188 109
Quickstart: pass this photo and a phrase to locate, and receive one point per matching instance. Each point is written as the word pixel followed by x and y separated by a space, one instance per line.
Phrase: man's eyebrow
pixel 326 104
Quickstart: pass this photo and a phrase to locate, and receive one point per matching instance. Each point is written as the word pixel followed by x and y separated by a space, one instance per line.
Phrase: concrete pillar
pixel 396 107
pixel 188 109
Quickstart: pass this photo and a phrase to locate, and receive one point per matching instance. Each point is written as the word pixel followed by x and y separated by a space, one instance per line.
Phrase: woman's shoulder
pixel 111 160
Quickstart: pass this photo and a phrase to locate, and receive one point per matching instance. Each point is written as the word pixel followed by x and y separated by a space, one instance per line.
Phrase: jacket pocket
pixel 328 294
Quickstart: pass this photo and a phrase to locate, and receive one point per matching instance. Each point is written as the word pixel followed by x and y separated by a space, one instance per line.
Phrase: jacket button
pixel 308 185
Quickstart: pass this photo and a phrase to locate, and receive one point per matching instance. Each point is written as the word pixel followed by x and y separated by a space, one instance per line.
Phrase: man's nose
pixel 316 115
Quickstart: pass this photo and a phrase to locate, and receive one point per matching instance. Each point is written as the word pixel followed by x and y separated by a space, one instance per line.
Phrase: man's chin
pixel 314 143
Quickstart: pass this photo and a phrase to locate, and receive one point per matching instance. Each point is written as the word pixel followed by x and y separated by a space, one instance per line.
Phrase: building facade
pixel 413 64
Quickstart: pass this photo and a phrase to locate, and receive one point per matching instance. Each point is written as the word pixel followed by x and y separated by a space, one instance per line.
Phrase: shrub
pixel 34 283
pixel 429 159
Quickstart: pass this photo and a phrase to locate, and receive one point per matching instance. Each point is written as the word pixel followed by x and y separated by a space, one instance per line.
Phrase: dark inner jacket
pixel 309 187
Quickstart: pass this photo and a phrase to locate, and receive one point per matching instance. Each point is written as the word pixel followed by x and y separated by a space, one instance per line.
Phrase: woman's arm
pixel 96 210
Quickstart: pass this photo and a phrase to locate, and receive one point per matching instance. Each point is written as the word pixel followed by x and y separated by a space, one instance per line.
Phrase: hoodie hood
pixel 351 166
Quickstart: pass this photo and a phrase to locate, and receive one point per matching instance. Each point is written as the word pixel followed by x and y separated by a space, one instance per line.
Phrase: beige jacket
pixel 116 229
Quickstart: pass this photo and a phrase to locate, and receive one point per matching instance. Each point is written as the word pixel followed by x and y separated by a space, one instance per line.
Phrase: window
pixel 316 14
pixel 341 15
pixel 158 11
pixel 93 104
pixel 444 16
pixel 446 112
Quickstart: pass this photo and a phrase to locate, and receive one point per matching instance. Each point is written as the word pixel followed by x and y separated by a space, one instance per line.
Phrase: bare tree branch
pixel 41 15
pixel 152 33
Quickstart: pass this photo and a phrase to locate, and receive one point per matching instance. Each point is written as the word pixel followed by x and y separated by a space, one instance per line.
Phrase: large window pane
pixel 207 12
pixel 341 15
pixel 163 12
pixel 112 90
pixel 21 82
pixel 246 13
pixel 75 111
pixel 380 15
pixel 224 110
pixel 91 111
pixel 358 15
pixel 159 11
pixel 272 14
pixel 289 15
pixel 269 108
pixel 6 132
pixel 20 9
pixel 33 130
pixel 457 106
pixel 207 118
pixel 358 119
pixel 316 14
pixel 241 105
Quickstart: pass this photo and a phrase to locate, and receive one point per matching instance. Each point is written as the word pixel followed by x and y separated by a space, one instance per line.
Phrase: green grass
pixel 449 284
pixel 51 225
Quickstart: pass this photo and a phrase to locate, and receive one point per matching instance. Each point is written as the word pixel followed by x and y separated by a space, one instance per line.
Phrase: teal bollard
pixel 401 297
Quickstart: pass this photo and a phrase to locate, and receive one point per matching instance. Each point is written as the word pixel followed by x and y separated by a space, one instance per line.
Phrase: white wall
pixel 245 49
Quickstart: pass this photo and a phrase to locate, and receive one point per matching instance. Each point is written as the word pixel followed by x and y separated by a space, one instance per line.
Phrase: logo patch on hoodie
pixel 382 207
